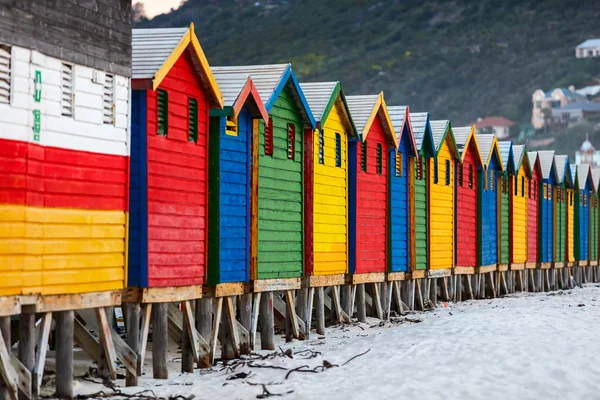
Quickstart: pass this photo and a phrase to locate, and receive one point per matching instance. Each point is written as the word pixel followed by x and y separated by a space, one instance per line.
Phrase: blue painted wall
pixel 547 221
pixel 489 216
pixel 352 205
pixel 137 271
pixel 399 212
pixel 584 225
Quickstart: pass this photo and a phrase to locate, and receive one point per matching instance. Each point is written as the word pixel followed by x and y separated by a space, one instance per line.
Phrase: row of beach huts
pixel 215 204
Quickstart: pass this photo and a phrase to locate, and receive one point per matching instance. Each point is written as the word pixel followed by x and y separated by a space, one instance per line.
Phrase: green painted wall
pixel 560 228
pixel 280 195
pixel 594 230
pixel 421 218
pixel 504 222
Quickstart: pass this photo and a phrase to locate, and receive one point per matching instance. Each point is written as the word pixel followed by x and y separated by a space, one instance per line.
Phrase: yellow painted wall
pixel 570 228
pixel 441 211
pixel 331 200
pixel 52 251
pixel 519 213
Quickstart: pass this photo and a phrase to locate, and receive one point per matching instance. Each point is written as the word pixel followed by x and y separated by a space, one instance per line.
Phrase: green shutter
pixel 379 158
pixel 193 120
pixel 162 112
pixel 364 156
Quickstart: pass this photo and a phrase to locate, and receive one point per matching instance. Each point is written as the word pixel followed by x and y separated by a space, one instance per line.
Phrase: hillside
pixel 456 59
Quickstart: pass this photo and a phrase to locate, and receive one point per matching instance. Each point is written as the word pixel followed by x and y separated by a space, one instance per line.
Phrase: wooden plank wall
pixel 504 219
pixel 532 218
pixel 400 209
pixel 421 214
pixel 519 217
pixel 466 211
pixel 489 215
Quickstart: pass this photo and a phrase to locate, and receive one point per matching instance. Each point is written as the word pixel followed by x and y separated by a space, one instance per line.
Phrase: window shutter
pixel 516 185
pixel 529 190
pixel 535 190
pixel 231 126
pixel 460 174
pixel 162 112
pixel 522 186
pixel 470 176
pixel 504 184
pixel 5 56
pixel 192 120
pixel 363 159
pixel 420 168
pixel 435 171
pixel 109 99
pixel 269 138
pixel 447 172
pixel 291 141
pixel 492 180
pixel 321 147
pixel 67 90
pixel 338 150
pixel 379 159
pixel 398 163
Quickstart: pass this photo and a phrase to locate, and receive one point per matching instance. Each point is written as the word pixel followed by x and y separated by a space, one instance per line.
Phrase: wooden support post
pixel 320 310
pixel 377 300
pixel 204 318
pixel 346 299
pixel 216 327
pixel 160 338
pixel 64 354
pixel 445 291
pixel 267 322
pixel 411 294
pixel 27 341
pixel 187 358
pixel 397 295
pixel 291 310
pixel 5 390
pixel 255 308
pixel 40 360
pixel 10 388
pixel 361 303
pixel 146 317
pixel 246 311
pixel 469 278
pixel 404 293
pixel 419 294
pixel 132 325
pixel 458 287
pixel 309 309
pixel 302 310
pixel 388 301
pixel 433 291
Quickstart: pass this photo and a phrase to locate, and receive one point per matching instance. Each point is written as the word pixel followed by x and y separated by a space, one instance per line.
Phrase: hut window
pixel 571 199
pixel 162 112
pixel 193 120
pixel 447 172
pixel 420 168
pixel 231 127
pixel 492 180
pixel 321 147
pixel 67 90
pixel 291 147
pixel 363 156
pixel 485 178
pixel 269 138
pixel 379 159
pixel 516 185
pixel 544 194
pixel 585 200
pixel 5 55
pixel 522 186
pixel 529 189
pixel 109 99
pixel 470 176
pixel 398 163
pixel 435 171
pixel 504 184
pixel 460 173
pixel 338 150
pixel 535 190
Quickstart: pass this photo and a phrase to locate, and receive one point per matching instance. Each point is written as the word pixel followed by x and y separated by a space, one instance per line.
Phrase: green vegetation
pixel 456 59
pixel 568 141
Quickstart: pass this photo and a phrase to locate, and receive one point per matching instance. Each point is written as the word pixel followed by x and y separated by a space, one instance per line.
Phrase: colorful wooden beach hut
pixel 369 185
pixel 563 184
pixel 570 252
pixel 401 191
pixel 584 187
pixel 173 91
pixel 546 217
pixel 467 239
pixel 441 196
pixel 231 146
pixel 283 175
pixel 420 202
pixel 533 208
pixel 335 129
pixel 504 186
pixel 594 216
pixel 488 199
pixel 518 205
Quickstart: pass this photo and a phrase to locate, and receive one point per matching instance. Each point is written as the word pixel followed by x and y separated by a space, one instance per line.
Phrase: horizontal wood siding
pixel 441 211
pixel 466 212
pixel 532 219
pixel 583 224
pixel 399 211
pixel 421 215
pixel 331 198
pixel 593 242
pixel 371 210
pixel 280 195
pixel 519 218
pixel 177 177
pixel 560 232
pixel 504 219
pixel 547 223
pixel 489 217
pixel 570 256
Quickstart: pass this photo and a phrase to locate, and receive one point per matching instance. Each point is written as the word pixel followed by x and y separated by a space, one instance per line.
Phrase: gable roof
pixel 595 178
pixel 155 51
pixel 563 170
pixel 533 161
pixel 463 136
pixel 589 43
pixel 547 163
pixel 322 96
pixel 583 176
pixel 400 117
pixel 521 159
pixel 586 106
pixel 237 90
pixel 422 132
pixel 506 153
pixel 488 145
pixel 364 109
pixel 439 131
pixel 270 80
pixel 493 121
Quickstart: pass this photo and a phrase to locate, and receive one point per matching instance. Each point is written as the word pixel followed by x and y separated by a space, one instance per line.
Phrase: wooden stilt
pixel 404 294
pixel 346 299
pixel 433 291
pixel 187 358
pixel 232 326
pixel 255 307
pixel 159 341
pixel 218 311
pixel 377 301
pixel 361 303
pixel 27 341
pixel 320 310
pixel 302 310
pixel 458 288
pixel 40 360
pixel 246 311
pixel 412 293
pixel 468 279
pixel 388 303
pixel 419 301
pixel 291 309
pixel 352 299
pixel 146 317
pixel 397 295
pixel 132 326
pixel 309 311
pixel 267 322
pixel 9 388
pixel 5 390
pixel 64 354
pixel 445 291
pixel 204 319
pixel 337 307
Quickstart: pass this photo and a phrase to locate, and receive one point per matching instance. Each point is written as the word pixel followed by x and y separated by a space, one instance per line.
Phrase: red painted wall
pixel 466 212
pixel 532 218
pixel 371 205
pixel 177 183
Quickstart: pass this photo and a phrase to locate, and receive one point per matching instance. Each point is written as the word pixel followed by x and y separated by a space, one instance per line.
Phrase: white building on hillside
pixel 589 48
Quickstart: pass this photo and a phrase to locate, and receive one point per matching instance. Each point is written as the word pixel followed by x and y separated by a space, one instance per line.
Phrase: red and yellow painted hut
pixel 519 196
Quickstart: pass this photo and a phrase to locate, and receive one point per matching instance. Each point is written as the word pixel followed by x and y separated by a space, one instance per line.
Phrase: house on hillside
pixel 498 126
pixel 555 98
pixel 587 154
pixel 589 48
pixel 572 113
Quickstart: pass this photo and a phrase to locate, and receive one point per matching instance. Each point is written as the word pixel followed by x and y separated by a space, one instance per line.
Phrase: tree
pixel 138 12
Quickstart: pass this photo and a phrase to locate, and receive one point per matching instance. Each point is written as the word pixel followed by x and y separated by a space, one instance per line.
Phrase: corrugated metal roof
pixel 361 108
pixel 266 78
pixel 438 129
pixel 505 153
pixel 318 95
pixel 518 154
pixel 150 48
pixel 419 125
pixel 561 163
pixel 461 135
pixel 486 143
pixel 397 116
pixel 546 162
pixel 231 85
pixel 596 177
pixel 582 173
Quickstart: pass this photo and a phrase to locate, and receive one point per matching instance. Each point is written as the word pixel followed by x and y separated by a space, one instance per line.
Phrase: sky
pixel 155 7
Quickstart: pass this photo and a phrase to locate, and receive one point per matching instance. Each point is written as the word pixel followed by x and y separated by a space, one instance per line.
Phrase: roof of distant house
pixel 570 94
pixel 589 43
pixel 494 121
pixel 586 106
pixel 589 90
